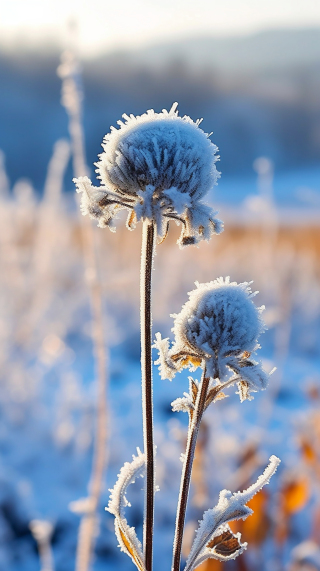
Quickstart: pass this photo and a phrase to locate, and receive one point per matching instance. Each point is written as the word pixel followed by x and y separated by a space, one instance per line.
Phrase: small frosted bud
pixel 220 318
pixel 217 329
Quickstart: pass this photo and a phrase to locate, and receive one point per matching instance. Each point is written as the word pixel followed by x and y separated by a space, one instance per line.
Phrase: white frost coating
pixel 230 507
pixel 118 502
pixel 212 552
pixel 218 326
pixel 219 317
pixel 166 366
pixel 160 166
pixel 90 200
pixel 128 474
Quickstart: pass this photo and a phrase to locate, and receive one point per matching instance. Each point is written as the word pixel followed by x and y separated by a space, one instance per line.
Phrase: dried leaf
pixel 295 496
pixel 131 220
pixel 308 452
pixel 194 387
pixel 184 359
pixel 221 396
pixel 127 545
pixel 226 543
pixel 165 234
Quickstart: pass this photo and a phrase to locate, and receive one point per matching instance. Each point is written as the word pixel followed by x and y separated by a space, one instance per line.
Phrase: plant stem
pixel 187 469
pixel 147 251
pixel 87 530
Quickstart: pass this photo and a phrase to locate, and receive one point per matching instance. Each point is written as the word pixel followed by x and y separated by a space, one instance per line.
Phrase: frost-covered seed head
pixel 217 329
pixel 159 166
pixel 219 319
pixel 162 150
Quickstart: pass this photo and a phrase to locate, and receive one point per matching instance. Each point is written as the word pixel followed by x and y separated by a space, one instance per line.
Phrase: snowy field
pixel 48 389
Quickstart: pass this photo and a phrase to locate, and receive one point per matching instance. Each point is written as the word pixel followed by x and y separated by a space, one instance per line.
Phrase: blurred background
pixel 252 71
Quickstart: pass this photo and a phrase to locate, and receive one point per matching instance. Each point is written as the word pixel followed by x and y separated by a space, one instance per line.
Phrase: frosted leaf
pixel 252 377
pixel 126 535
pixel 230 507
pixel 160 166
pixel 91 200
pixel 224 546
pixel 217 328
pixel 167 368
pixel 201 223
pixel 182 404
pixel 187 402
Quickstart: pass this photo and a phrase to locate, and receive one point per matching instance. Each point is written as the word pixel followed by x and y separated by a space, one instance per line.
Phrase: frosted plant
pixel 217 329
pixel 159 166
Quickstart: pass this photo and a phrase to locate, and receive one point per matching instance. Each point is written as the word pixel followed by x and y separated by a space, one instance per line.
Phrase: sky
pixel 105 25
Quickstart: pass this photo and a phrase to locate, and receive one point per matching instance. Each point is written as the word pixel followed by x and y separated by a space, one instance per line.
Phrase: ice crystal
pixel 159 166
pixel 218 329
pixel 214 538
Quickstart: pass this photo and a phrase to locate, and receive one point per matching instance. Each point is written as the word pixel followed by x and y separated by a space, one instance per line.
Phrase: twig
pixel 187 469
pixel 71 99
pixel 147 251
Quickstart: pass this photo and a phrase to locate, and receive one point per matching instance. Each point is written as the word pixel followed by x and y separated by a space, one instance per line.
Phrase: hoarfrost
pixel 126 535
pixel 217 328
pixel 215 521
pixel 159 166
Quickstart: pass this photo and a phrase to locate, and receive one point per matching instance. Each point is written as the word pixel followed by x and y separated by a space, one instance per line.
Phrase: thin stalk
pixel 147 251
pixel 187 469
pixel 87 530
pixel 88 524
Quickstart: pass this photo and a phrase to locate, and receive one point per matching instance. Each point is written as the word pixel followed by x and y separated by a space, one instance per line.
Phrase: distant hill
pixel 274 49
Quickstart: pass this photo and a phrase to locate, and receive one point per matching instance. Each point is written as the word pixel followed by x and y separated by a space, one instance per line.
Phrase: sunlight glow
pixel 104 25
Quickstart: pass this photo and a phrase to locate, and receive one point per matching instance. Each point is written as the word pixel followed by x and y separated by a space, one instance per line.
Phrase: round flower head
pixel 218 329
pixel 159 166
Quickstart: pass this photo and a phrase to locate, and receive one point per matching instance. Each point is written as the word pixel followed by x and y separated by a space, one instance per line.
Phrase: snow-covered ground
pixel 48 391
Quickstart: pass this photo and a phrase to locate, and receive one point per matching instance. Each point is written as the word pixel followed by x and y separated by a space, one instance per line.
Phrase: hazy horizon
pixel 127 25
pixel 52 45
